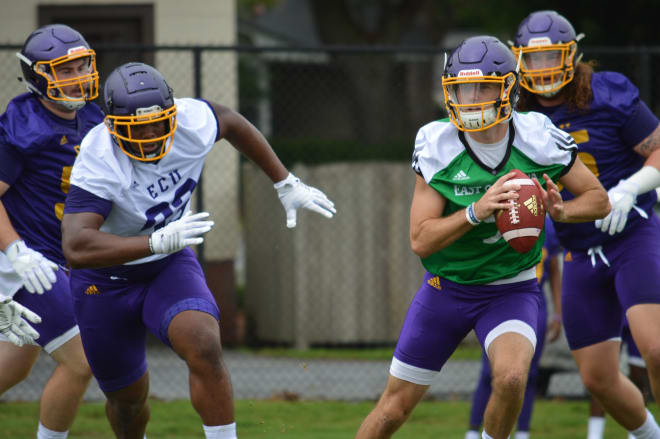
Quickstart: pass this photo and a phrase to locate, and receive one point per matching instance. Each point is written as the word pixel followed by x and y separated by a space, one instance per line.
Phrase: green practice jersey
pixel 447 164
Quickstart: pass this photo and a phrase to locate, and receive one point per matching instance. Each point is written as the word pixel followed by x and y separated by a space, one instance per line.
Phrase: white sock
pixel 220 431
pixel 485 435
pixel 521 435
pixel 648 430
pixel 596 427
pixel 45 433
pixel 472 434
pixel 631 436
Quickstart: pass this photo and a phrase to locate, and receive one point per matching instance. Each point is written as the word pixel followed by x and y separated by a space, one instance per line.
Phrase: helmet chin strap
pixel 548 94
pixel 472 119
pixel 70 105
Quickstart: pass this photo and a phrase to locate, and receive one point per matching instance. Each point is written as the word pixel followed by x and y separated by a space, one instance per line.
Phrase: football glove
pixel 37 272
pixel 295 194
pixel 13 322
pixel 181 233
pixel 622 198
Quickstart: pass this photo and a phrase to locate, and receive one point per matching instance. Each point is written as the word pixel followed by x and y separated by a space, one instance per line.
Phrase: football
pixel 521 224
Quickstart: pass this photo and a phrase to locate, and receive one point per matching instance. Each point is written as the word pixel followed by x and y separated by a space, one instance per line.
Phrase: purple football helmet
pixel 480 83
pixel 48 60
pixel 548 44
pixel 137 98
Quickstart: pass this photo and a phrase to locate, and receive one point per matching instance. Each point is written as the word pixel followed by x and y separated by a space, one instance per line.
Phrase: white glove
pixel 181 233
pixel 295 194
pixel 37 272
pixel 13 324
pixel 622 198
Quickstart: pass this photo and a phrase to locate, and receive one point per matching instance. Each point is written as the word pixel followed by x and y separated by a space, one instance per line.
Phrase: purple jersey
pixel 606 135
pixel 37 151
pixel 550 249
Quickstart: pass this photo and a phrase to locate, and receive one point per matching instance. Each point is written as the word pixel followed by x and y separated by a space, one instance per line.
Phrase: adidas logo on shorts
pixel 435 282
pixel 92 291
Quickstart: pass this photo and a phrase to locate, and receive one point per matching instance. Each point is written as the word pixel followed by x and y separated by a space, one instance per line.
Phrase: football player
pixel 475 279
pixel 127 229
pixel 40 134
pixel 614 269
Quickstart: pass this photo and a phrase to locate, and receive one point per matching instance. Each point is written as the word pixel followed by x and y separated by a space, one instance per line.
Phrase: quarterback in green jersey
pixel 475 280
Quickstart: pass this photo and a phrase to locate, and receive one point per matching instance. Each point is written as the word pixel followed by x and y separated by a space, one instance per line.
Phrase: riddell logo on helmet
pixel 76 49
pixel 471 72
pixel 539 41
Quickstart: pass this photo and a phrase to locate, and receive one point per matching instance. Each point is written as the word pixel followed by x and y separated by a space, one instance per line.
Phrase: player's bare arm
pixel 430 231
pixel 247 139
pixel 650 147
pixel 291 191
pixel 590 203
pixel 85 246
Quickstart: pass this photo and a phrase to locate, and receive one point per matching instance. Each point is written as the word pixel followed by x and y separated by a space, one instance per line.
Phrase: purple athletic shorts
pixel 116 306
pixel 442 313
pixel 55 308
pixel 596 297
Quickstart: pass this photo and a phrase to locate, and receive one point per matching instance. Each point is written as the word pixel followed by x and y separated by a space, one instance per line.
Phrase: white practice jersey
pixel 146 196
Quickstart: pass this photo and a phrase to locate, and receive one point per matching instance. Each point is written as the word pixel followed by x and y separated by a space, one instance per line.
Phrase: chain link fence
pixel 344 120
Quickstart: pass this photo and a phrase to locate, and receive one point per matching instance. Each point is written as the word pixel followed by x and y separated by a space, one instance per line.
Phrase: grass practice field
pixel 317 420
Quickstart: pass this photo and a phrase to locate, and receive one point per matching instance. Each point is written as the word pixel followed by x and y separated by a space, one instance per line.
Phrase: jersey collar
pixel 505 159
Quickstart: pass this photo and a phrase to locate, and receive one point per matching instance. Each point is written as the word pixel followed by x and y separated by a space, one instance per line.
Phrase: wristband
pixel 290 179
pixel 151 246
pixel 471 216
pixel 645 179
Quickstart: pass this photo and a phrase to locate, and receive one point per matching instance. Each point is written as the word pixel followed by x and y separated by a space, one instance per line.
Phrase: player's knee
pixel 652 356
pixel 78 372
pixel 598 380
pixel 126 411
pixel 393 413
pixel 204 351
pixel 510 382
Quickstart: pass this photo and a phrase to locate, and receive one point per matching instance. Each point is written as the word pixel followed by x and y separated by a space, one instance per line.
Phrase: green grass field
pixel 298 420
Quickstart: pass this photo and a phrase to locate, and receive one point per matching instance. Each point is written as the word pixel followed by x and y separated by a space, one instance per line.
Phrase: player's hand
pixel 497 196
pixel 37 272
pixel 185 231
pixel 622 198
pixel 552 200
pixel 13 324
pixel 295 194
pixel 554 330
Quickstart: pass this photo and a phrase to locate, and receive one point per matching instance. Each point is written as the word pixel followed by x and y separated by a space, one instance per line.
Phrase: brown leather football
pixel 522 223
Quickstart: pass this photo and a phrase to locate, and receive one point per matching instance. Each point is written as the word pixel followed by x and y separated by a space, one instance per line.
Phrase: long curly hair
pixel 577 93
